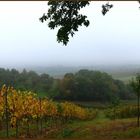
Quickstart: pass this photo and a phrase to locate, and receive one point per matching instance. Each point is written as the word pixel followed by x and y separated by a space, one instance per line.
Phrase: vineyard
pixel 120 112
pixel 24 114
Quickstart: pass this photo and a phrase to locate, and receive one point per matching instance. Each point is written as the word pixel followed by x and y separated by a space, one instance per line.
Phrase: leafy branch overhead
pixel 106 8
pixel 66 16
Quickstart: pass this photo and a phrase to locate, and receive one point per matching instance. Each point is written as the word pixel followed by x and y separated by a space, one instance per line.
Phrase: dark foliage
pixel 106 7
pixel 88 85
pixel 85 85
pixel 26 80
pixel 136 87
pixel 65 14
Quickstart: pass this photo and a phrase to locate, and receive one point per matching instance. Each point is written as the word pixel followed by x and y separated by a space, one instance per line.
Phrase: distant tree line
pixel 26 80
pixel 85 85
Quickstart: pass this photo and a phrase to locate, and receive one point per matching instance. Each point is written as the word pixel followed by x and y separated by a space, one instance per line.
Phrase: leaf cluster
pixel 106 7
pixel 65 14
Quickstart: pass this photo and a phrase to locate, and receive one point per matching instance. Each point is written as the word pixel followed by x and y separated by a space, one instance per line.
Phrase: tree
pixel 65 14
pixel 88 85
pixel 136 87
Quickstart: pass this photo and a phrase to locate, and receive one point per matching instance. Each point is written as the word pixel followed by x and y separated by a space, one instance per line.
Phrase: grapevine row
pixel 23 106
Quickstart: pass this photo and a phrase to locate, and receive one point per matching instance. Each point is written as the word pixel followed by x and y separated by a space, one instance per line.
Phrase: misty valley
pixel 69 70
pixel 34 104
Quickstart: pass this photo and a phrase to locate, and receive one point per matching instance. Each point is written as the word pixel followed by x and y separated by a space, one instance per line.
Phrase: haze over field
pixel 82 90
pixel 109 40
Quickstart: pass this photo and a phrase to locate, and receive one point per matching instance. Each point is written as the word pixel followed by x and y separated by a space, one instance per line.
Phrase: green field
pixel 99 128
pixel 123 77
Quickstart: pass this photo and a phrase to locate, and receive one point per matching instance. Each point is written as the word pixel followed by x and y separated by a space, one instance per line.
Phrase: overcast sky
pixel 110 39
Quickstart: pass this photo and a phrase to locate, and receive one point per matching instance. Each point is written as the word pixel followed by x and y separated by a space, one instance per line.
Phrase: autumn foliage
pixel 25 106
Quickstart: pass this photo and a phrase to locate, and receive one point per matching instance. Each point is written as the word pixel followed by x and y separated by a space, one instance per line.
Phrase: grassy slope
pixel 101 128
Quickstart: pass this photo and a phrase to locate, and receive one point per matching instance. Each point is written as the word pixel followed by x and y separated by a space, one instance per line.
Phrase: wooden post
pixel 6 115
pixel 138 112
pixel 37 125
pixel 138 122
pixel 17 122
pixel 40 115
pixel 28 128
